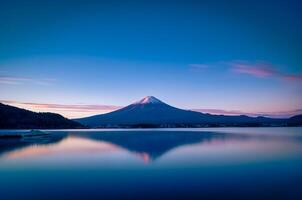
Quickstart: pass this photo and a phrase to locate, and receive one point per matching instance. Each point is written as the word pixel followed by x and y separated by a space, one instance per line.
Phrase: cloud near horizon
pixel 277 114
pixel 70 111
pixel 82 110
pixel 14 80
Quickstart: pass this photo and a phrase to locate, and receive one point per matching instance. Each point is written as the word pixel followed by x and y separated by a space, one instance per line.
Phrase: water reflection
pixel 151 145
pixel 180 164
pixel 146 145
pixel 69 145
pixel 9 145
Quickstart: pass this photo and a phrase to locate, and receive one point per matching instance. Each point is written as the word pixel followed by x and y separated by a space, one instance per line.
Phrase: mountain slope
pixel 151 111
pixel 17 118
pixel 295 120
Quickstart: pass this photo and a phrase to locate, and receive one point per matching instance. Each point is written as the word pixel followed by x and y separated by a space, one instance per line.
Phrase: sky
pixel 80 58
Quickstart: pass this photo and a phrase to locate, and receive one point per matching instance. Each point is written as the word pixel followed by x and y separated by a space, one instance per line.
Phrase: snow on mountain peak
pixel 148 99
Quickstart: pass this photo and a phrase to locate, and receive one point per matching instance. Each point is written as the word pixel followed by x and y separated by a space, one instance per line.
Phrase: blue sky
pixel 85 57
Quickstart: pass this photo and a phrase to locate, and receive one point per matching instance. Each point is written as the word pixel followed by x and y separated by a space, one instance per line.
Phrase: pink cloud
pixel 73 107
pixel 258 70
pixel 70 111
pixel 262 70
pixel 66 107
pixel 292 77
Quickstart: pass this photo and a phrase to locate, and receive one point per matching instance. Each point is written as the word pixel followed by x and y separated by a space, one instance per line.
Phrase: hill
pixel 16 118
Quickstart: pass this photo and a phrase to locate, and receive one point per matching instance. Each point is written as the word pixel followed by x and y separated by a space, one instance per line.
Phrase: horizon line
pixel 74 111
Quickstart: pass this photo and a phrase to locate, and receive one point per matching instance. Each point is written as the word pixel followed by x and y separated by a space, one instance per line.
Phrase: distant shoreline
pixel 104 128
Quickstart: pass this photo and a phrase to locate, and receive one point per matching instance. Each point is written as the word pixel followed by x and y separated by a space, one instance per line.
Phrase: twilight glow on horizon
pixel 80 58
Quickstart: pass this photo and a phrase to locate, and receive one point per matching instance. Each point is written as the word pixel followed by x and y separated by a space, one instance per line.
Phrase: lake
pixel 214 163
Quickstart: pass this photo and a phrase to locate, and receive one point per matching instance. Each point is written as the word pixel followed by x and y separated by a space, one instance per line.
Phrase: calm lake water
pixel 224 163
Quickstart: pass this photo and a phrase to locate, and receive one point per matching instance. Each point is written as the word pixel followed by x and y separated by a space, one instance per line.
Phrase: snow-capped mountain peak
pixel 148 100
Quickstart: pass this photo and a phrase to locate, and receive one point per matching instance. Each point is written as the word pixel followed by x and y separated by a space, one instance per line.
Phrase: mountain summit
pixel 151 112
pixel 148 99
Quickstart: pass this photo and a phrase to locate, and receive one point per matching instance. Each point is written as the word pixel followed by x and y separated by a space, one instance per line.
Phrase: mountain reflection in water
pixel 153 164
pixel 147 145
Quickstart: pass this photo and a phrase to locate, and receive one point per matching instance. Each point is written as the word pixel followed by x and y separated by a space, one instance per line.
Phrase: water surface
pixel 224 163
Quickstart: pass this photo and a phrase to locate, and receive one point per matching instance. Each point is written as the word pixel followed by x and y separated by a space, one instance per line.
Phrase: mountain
pixel 151 112
pixel 295 120
pixel 17 118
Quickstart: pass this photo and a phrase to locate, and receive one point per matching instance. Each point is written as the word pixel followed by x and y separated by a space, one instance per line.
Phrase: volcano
pixel 152 112
pixel 148 110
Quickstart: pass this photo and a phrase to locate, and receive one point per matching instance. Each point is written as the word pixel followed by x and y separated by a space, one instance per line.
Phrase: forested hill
pixel 17 118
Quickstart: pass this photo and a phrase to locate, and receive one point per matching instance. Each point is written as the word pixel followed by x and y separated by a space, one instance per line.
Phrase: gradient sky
pixel 80 58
